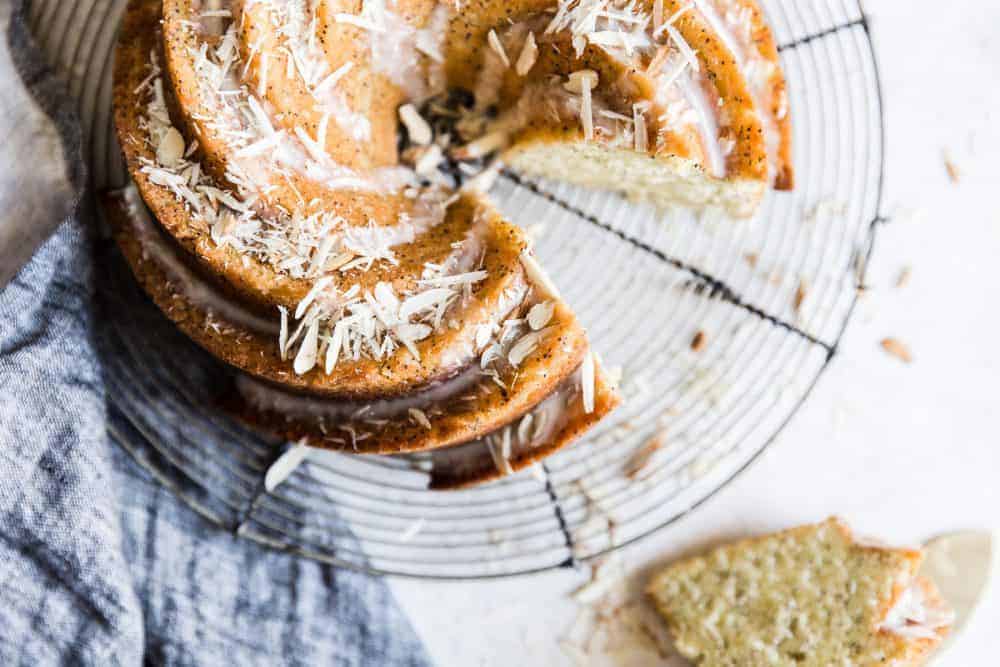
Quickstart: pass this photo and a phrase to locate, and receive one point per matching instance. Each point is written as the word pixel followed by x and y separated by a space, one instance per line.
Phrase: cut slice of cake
pixel 668 102
pixel 809 596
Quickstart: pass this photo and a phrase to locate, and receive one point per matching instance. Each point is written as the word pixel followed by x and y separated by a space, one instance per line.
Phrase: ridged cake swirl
pixel 375 305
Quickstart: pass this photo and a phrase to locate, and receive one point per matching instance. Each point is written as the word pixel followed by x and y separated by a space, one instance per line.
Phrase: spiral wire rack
pixel 769 299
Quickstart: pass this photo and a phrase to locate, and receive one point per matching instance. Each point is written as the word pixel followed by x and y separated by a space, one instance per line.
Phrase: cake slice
pixel 671 103
pixel 808 596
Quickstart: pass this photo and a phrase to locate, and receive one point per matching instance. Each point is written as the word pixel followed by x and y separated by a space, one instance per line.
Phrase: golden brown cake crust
pixel 748 160
pixel 137 40
pixel 606 399
pixel 256 353
pixel 763 38
pixel 466 39
pixel 257 283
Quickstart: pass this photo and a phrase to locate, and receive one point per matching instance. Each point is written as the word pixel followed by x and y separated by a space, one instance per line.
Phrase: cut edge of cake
pixel 811 595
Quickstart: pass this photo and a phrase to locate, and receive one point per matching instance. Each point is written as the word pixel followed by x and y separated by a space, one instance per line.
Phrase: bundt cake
pixel 296 209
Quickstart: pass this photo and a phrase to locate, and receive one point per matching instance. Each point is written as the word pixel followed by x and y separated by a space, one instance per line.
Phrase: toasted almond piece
pixel 283 333
pixel 698 342
pixel 639 122
pixel 484 145
pixel 429 160
pixel 898 349
pixel 954 173
pixel 584 79
pixel 588 382
pixel 528 57
pixel 418 129
pixel 800 296
pixel 523 348
pixel 420 417
pixel 903 279
pixel 484 180
pixel 170 148
pixel 497 47
pixel 643 456
pixel 286 464
pixel 305 360
pixel 537 275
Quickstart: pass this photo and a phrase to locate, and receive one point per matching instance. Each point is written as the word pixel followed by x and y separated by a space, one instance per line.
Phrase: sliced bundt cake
pixel 375 305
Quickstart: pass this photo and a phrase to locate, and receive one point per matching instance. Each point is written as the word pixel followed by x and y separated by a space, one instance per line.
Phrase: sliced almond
pixel 417 128
pixel 698 342
pixel 528 57
pixel 171 148
pixel 540 314
pixel 897 349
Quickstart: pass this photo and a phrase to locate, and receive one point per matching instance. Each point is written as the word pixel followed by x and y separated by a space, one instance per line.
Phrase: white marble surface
pixel 903 452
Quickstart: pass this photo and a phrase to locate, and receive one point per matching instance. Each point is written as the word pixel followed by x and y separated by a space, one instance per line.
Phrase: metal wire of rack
pixel 770 297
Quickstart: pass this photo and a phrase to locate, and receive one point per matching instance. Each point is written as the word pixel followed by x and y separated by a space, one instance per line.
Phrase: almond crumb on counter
pixel 614 623
pixel 417 128
pixel 903 279
pixel 643 456
pixel 954 173
pixel 698 342
pixel 897 349
pixel 604 576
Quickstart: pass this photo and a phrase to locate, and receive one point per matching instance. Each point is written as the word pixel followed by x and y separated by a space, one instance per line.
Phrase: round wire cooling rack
pixel 768 301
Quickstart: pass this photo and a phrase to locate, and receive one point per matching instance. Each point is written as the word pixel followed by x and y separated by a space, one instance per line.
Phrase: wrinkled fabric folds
pixel 99 564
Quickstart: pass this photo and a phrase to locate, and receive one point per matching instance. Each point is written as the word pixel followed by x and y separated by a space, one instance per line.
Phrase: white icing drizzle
pixel 466 346
pixel 267 397
pixel 537 427
pixel 398 48
pixel 683 89
pixel 286 464
pixel 614 25
pixel 295 22
pixel 192 286
pixel 693 89
pixel 295 244
pixel 914 616
pixel 228 108
pixel 734 27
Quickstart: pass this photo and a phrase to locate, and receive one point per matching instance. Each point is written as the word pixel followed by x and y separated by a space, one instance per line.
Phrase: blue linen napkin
pixel 99 564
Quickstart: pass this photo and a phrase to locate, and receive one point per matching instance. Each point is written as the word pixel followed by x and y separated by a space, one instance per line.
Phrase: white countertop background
pixel 902 452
